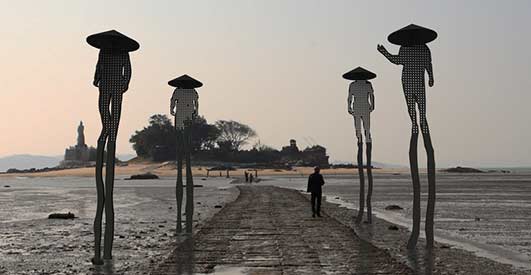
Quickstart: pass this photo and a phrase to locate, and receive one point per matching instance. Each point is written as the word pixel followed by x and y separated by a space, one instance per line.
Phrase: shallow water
pixel 488 214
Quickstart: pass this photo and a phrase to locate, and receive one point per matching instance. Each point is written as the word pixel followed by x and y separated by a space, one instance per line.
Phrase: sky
pixel 275 65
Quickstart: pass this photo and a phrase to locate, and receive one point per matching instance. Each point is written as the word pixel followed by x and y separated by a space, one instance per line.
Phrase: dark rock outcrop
pixel 146 176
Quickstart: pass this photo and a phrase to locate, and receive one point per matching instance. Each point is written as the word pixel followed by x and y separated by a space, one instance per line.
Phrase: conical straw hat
pixel 113 40
pixel 359 74
pixel 186 82
pixel 412 35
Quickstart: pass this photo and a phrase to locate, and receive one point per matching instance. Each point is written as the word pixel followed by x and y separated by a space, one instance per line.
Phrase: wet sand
pixel 145 220
pixel 144 226
pixel 485 214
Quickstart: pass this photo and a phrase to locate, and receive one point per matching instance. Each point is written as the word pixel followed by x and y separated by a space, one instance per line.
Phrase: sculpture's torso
pixel 360 90
pixel 185 100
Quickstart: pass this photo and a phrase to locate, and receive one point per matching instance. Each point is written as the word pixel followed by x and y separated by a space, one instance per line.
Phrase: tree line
pixel 221 141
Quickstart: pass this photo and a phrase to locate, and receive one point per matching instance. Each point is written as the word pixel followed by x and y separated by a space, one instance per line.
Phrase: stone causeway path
pixel 270 230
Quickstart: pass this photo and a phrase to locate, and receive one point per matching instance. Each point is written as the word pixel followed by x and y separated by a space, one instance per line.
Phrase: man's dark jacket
pixel 315 181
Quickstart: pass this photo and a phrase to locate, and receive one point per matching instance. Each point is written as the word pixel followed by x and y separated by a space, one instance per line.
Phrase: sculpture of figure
pixel 81 134
pixel 112 76
pixel 415 57
pixel 184 105
pixel 360 105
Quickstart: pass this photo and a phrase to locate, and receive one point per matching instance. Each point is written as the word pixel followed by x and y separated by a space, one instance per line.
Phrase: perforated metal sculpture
pixel 184 105
pixel 113 72
pixel 415 57
pixel 360 105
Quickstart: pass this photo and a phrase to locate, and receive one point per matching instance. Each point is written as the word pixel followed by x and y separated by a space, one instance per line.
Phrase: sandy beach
pixel 167 169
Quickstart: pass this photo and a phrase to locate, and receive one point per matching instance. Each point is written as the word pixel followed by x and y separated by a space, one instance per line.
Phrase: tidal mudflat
pixel 145 214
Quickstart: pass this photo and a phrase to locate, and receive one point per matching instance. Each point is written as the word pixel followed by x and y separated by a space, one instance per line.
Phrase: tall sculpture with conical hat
pixel 112 76
pixel 415 57
pixel 360 105
pixel 184 106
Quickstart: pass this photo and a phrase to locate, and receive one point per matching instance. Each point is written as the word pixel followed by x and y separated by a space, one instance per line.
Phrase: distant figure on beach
pixel 251 178
pixel 415 57
pixel 184 105
pixel 315 181
pixel 112 76
pixel 246 176
pixel 360 105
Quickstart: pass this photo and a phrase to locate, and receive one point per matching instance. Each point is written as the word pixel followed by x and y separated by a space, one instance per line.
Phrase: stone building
pixel 79 154
pixel 311 156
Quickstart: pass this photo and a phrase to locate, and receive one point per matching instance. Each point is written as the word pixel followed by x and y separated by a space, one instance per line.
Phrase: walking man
pixel 315 181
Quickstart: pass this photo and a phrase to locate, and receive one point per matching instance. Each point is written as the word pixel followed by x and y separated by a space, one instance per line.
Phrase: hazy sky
pixel 277 66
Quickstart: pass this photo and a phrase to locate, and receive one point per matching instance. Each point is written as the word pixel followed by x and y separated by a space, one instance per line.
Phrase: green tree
pixel 160 131
pixel 233 135
pixel 204 135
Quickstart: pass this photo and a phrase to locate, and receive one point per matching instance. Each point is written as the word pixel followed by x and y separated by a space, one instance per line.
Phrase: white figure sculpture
pixel 184 106
pixel 360 105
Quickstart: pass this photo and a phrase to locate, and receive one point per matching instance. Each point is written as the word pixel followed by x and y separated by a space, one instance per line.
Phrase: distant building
pixel 316 156
pixel 311 156
pixel 80 154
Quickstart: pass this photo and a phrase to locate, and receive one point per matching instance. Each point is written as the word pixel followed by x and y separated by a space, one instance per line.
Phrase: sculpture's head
pixel 317 169
pixel 412 35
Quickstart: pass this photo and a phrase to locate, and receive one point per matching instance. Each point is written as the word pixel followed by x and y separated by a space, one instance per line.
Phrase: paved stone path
pixel 270 230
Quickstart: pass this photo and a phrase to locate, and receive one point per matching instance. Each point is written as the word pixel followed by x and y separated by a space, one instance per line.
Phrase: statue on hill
pixel 184 105
pixel 81 134
pixel 78 155
pixel 112 76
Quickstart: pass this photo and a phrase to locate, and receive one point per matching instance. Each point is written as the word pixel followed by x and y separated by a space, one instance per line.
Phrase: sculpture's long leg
pixel 413 163
pixel 189 181
pixel 179 184
pixel 100 200
pixel 109 175
pixel 103 106
pixel 109 207
pixel 369 176
pixel 431 190
pixel 362 183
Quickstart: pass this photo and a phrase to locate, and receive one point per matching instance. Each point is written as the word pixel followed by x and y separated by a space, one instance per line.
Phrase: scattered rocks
pixel 393 227
pixel 393 207
pixel 195 186
pixel 460 169
pixel 146 176
pixel 445 246
pixel 63 216
pixel 477 219
pixel 7 186
pixel 218 206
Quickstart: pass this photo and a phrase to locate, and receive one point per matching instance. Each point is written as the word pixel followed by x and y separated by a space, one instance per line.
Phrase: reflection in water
pixel 106 269
pixel 184 260
pixel 421 266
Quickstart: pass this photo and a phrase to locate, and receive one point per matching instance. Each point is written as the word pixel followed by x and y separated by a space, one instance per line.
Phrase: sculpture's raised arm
pixel 395 59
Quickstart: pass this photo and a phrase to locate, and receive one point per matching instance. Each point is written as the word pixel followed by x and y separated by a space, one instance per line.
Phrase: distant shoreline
pixel 167 169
